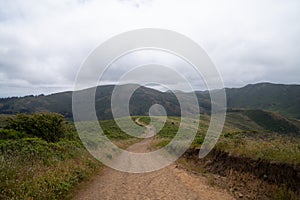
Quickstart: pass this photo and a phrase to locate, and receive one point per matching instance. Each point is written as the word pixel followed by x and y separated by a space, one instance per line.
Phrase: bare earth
pixel 168 183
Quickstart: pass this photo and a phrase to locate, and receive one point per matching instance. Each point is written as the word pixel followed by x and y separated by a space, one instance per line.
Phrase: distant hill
pixel 60 103
pixel 142 99
pixel 284 99
pixel 261 120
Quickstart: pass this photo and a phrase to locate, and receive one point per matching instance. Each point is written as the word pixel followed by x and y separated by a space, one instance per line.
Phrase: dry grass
pixel 273 147
pixel 34 172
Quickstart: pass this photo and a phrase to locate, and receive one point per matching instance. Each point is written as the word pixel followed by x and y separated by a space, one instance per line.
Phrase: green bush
pixel 48 126
pixel 6 134
pixel 41 157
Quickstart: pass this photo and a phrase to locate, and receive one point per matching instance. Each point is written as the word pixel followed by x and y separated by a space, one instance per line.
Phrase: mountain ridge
pixel 280 98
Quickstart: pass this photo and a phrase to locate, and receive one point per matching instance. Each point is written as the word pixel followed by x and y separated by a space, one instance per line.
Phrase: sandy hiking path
pixel 170 182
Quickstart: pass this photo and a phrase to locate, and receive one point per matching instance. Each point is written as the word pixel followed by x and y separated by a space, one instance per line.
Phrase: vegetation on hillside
pixel 47 126
pixel 41 157
pixel 243 139
pixel 283 99
pixel 243 136
pixel 280 98
pixel 32 168
pixel 272 121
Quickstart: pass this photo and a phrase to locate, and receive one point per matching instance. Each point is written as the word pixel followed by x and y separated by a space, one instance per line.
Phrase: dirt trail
pixel 168 183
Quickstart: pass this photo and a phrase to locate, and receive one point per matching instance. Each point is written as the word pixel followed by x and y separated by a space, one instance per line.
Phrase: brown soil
pixel 247 177
pixel 171 182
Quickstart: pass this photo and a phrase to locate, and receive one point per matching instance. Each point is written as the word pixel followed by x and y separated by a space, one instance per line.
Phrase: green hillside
pixel 283 99
pixel 272 121
pixel 244 137
pixel 43 163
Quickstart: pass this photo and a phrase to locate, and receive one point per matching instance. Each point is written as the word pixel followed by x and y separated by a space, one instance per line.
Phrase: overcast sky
pixel 43 43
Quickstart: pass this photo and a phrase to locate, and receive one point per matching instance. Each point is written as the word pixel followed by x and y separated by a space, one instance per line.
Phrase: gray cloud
pixel 43 43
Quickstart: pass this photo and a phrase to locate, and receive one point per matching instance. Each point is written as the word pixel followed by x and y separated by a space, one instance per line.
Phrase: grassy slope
pixel 35 169
pixel 242 136
pixel 32 168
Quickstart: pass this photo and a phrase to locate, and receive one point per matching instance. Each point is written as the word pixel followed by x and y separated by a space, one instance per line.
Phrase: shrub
pixel 48 126
pixel 6 134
